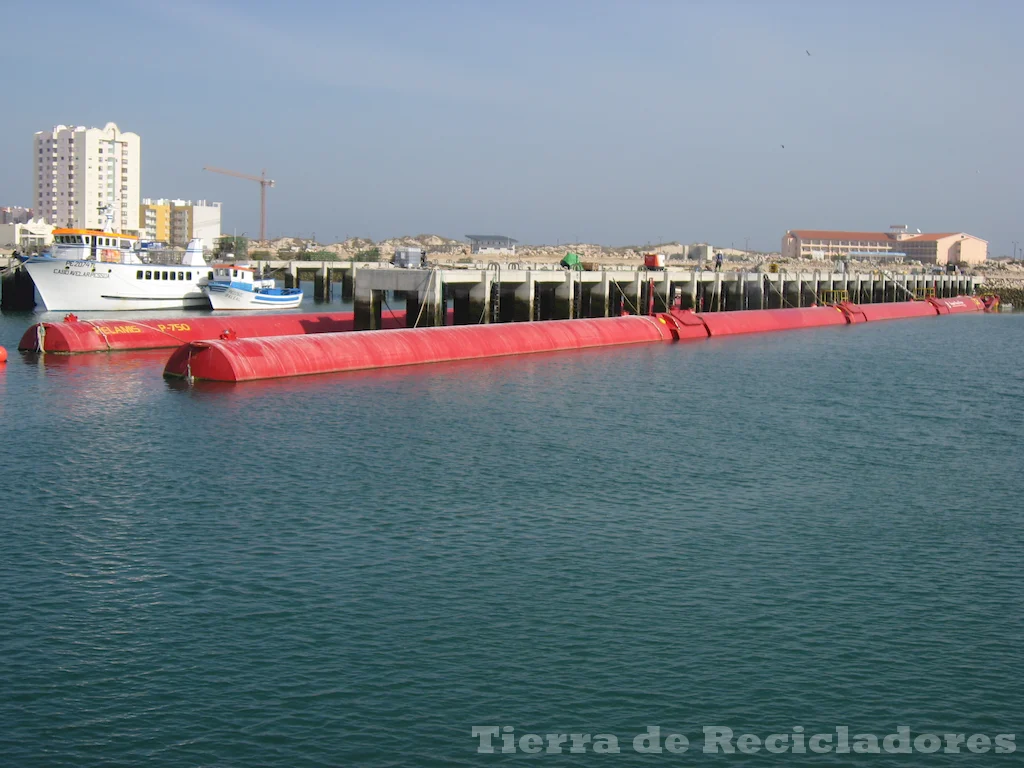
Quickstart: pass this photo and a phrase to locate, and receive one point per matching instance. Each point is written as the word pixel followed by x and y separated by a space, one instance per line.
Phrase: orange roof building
pixel 898 244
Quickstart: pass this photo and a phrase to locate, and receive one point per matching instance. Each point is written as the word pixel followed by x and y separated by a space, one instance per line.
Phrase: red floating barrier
pixel 958 304
pixel 234 358
pixel 268 358
pixel 761 320
pixel 861 313
pixel 75 336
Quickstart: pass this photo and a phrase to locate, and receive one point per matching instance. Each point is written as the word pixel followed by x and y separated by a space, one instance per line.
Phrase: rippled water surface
pixel 815 529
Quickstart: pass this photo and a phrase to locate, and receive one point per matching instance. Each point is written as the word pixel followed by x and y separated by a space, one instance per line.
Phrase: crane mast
pixel 264 183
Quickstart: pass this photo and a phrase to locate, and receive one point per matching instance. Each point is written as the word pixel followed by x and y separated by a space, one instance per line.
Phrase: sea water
pixel 789 534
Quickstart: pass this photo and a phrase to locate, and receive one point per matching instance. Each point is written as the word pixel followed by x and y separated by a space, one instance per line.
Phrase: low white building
pixel 492 244
pixel 34 232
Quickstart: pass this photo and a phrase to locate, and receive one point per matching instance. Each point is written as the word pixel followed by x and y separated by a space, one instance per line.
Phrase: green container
pixel 571 261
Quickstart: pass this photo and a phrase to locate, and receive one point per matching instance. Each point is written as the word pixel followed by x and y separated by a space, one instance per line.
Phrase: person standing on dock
pixel 718 261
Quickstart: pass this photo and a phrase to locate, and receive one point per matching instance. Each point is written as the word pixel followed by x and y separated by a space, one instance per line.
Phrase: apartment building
pixel 85 177
pixel 175 222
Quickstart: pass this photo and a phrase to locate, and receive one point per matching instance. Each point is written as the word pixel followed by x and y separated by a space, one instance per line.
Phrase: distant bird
pixel 782 145
pixel 807 52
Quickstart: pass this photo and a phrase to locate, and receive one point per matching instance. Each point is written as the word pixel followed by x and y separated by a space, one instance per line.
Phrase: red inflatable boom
pixel 958 304
pixel 267 358
pixel 250 359
pixel 74 336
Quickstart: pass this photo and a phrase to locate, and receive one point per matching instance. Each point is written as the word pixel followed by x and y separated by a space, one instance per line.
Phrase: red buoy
pixel 3 355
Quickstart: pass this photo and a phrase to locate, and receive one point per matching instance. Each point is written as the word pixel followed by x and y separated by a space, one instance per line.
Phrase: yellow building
pixel 155 220
pixel 176 222
pixel 897 243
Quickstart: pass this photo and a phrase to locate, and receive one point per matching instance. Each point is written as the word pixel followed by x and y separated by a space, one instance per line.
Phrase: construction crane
pixel 264 183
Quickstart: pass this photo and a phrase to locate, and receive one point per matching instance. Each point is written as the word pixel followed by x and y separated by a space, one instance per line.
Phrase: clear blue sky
pixel 546 120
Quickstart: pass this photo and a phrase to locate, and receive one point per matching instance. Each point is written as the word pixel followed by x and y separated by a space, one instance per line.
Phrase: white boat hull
pixel 67 285
pixel 222 297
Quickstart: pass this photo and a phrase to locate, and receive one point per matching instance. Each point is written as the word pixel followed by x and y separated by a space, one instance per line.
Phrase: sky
pixel 549 121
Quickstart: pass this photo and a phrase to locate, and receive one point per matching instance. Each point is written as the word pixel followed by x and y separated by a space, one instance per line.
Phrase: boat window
pixel 149 275
pixel 234 273
pixel 126 244
pixel 165 275
pixel 188 275
pixel 211 276
pixel 181 275
pixel 156 275
pixel 173 275
pixel 138 275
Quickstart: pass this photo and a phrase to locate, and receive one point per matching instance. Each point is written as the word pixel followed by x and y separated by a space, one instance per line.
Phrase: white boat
pixel 235 286
pixel 94 270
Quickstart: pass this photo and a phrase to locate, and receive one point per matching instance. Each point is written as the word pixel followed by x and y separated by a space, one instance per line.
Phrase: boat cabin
pixel 94 245
pixel 241 276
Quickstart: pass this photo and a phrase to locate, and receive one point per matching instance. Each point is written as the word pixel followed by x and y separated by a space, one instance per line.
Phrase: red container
pixel 958 304
pixel 75 336
pixel 761 320
pixel 268 358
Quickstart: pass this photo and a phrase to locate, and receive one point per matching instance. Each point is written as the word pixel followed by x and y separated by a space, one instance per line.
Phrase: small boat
pixel 236 286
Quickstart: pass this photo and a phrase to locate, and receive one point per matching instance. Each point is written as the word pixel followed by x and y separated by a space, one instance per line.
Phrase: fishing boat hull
pixel 68 285
pixel 230 297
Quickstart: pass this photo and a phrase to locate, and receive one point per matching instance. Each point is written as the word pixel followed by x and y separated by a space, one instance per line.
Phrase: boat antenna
pixel 107 211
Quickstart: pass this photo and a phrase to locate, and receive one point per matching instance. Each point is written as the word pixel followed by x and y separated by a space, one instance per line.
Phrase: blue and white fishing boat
pixel 235 286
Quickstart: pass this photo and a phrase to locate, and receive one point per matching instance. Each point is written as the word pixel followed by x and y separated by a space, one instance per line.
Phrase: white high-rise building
pixel 81 174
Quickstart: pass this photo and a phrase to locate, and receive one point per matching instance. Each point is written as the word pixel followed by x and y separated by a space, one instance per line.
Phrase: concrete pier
pixel 517 294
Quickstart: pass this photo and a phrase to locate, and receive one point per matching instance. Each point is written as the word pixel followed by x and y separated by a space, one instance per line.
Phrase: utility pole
pixel 1015 244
